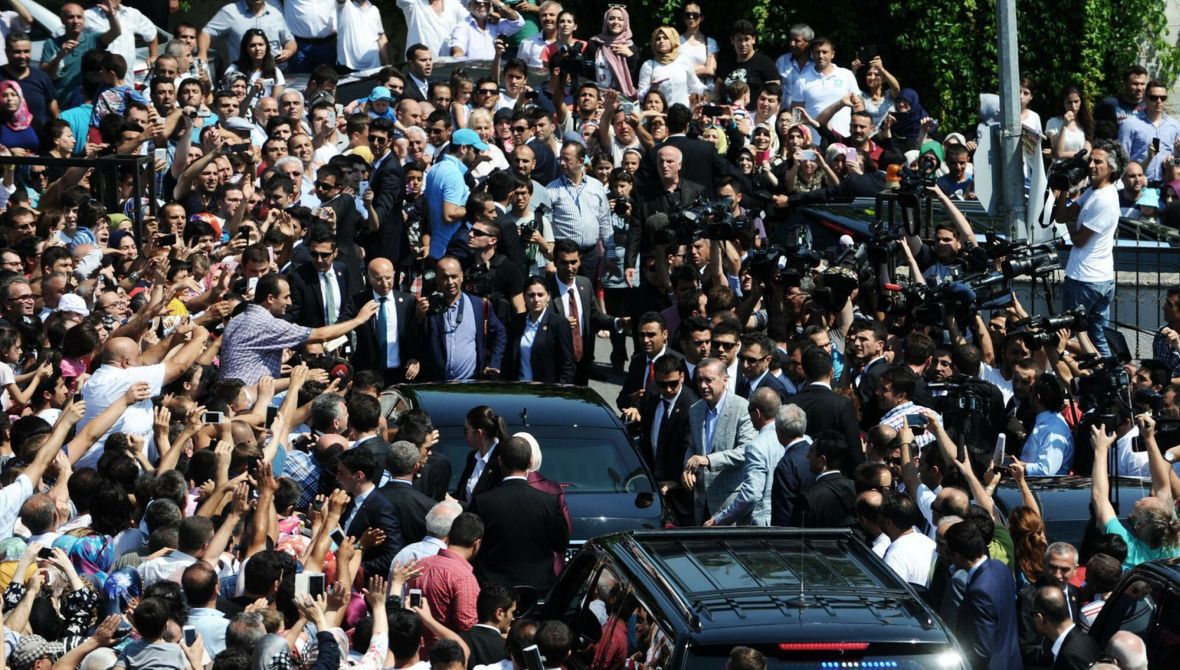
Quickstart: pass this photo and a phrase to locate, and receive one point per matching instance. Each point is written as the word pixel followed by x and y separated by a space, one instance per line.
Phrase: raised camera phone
pixel 998 454
pixel 213 417
pixel 712 110
pixel 362 188
pixel 311 583
pixel 807 154
pixel 337 537
pixel 415 598
pixel 46 552
pixel 272 413
pixel 166 240
pixel 532 658
pixel 190 636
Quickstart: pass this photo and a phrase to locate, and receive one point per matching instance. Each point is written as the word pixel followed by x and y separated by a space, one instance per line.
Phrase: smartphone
pixel 915 420
pixel 272 413
pixel 190 636
pixel 161 155
pixel 317 505
pixel 850 155
pixel 251 283
pixel 532 658
pixel 337 537
pixel 866 53
pixel 213 417
pixel 797 115
pixel 764 156
pixel 362 188
pixel 166 240
pixel 320 213
pixel 311 583
pixel 808 154
pixel 712 110
pixel 1155 144
pixel 998 454
pixel 1137 445
pixel 46 552
pixel 78 397
pixel 415 597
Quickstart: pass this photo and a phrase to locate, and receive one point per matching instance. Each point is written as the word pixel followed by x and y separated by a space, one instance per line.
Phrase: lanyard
pixel 575 194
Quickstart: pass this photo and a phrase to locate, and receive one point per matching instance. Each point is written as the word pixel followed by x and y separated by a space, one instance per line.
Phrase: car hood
pixel 595 514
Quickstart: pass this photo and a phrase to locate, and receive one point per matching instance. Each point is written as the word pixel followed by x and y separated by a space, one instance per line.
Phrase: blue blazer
pixel 987 625
pixel 489 345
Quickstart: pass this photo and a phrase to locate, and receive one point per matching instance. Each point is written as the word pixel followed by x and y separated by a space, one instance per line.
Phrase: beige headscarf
pixel 673 37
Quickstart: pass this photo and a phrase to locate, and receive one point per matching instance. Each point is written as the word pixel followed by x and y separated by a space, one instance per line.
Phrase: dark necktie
pixel 572 311
pixel 382 328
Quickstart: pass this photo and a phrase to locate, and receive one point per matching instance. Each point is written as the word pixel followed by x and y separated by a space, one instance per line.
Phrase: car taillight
pixel 823 646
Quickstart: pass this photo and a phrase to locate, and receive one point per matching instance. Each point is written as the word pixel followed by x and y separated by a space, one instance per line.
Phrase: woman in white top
pixel 257 62
pixel 1070 132
pixel 669 70
pixel 701 50
pixel 480 120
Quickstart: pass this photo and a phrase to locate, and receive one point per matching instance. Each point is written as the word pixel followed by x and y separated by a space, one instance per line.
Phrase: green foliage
pixel 946 49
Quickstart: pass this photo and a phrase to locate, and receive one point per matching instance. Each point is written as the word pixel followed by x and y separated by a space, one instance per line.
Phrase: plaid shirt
pixel 303 469
pixel 448 585
pixel 896 418
pixel 253 344
pixel 1163 351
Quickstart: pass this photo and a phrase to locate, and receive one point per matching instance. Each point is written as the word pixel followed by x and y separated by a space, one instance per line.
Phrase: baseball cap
pixel 238 125
pixel 70 302
pixel 468 137
pixel 381 93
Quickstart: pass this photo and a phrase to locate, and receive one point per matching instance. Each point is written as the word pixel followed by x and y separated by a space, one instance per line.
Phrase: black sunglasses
pixel 324 185
pixel 476 232
pixel 692 15
pixel 321 254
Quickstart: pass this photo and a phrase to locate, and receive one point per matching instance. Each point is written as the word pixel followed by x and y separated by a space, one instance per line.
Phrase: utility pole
pixel 1011 154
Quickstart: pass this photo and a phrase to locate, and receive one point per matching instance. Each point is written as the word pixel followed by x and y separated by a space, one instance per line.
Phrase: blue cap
pixel 468 137
pixel 381 93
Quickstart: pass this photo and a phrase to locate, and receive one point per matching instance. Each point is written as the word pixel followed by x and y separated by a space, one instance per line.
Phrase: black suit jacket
pixel 433 478
pixel 388 193
pixel 486 645
pixel 828 410
pixel 591 318
pixel 666 458
pixel 552 357
pixel 347 222
pixel 768 381
pixel 1077 652
pixel 792 475
pixel 658 201
pixel 1035 650
pixel 701 164
pixel 411 90
pixel 307 294
pixel 634 381
pixel 523 529
pixel 488 479
pixel 369 354
pixel 411 507
pixel 377 512
pixel 429 334
pixel 827 504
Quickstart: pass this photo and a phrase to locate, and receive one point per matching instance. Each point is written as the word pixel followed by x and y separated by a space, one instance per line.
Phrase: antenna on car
pixel 524 416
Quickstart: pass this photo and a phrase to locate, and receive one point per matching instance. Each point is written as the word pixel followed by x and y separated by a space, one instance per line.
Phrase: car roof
pixel 1065 501
pixel 764 579
pixel 519 403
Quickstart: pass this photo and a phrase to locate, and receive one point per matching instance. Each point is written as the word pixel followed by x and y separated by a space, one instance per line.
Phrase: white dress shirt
pixel 526 346
pixel 356 507
pixel 481 464
pixel 393 354
pixel 330 286
pixel 563 294
pixel 480 43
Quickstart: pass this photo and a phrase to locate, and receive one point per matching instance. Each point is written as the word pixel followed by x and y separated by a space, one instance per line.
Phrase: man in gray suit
pixel 778 425
pixel 719 430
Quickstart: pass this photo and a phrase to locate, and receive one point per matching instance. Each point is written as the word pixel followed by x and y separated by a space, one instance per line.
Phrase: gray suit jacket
pixel 717 485
pixel 751 505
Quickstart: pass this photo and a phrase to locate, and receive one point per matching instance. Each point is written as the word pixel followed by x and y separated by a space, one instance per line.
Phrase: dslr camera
pixel 438 302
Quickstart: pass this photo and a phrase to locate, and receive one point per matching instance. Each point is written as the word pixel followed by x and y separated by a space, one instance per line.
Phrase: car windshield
pixel 592 460
pixel 708 658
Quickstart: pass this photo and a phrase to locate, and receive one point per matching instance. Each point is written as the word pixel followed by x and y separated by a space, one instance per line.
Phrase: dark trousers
pixel 311 52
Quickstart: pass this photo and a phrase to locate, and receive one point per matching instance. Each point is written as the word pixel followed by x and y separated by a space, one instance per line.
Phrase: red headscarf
pixel 21 118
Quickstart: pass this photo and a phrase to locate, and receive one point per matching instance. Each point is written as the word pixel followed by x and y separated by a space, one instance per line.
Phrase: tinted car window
pixel 590 460
pixel 710 658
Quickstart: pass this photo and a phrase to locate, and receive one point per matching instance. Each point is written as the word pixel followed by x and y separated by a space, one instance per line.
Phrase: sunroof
pixel 710 566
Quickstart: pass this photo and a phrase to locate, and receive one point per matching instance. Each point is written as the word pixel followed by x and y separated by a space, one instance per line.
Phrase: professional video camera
pixel 572 62
pixel 916 181
pixel 712 219
pixel 438 301
pixel 1036 261
pixel 1074 319
pixel 960 299
pixel 1108 384
pixel 1066 173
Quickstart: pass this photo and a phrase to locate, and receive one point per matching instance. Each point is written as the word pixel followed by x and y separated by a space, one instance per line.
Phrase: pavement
pixel 609 389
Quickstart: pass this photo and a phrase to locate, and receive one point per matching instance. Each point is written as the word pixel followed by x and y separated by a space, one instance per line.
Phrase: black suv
pixel 684 598
pixel 1147 603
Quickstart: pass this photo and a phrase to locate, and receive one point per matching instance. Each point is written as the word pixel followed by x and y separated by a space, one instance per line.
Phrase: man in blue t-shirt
pixel 446 188
pixel 61 57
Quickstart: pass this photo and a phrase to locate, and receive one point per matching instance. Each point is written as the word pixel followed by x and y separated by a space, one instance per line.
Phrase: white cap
pixel 72 303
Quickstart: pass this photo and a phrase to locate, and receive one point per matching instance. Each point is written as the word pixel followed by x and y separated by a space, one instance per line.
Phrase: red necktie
pixel 651 373
pixel 573 314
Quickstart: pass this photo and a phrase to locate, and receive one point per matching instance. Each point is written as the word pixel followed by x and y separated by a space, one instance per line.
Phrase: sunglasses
pixel 1157 98
pixel 519 129
pixel 489 91
pixel 751 359
pixel 724 345
pixel 378 139
pixel 692 15
pixel 322 254
pixel 476 232
pixel 324 185
pixel 668 384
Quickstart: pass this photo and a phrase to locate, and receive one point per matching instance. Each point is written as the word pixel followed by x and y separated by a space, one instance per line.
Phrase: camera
pixel 572 62
pixel 1035 261
pixel 1074 319
pixel 1065 173
pixel 713 220
pixel 1107 385
pixel 622 206
pixel 438 302
pixel 915 181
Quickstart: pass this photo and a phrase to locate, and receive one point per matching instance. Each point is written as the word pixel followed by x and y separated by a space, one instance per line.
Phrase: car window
pixel 1131 610
pixel 590 460
pixel 1164 649
pixel 591 616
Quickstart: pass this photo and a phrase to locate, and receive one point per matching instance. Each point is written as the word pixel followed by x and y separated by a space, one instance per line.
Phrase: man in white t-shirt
pixel 823 83
pixel 430 22
pixel 122 364
pixel 910 553
pixel 360 39
pixel 1089 274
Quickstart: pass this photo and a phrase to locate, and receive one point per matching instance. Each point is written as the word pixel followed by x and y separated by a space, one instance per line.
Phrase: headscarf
pixel 617 64
pixel 907 124
pixel 121 587
pixel 92 555
pixel 272 653
pixel 21 118
pixel 673 37
pixel 11 548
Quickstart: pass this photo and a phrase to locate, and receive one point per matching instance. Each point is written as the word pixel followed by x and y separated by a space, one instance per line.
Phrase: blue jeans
pixel 310 54
pixel 1096 298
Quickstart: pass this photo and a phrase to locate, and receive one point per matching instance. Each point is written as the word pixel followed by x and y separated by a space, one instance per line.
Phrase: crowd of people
pixel 230 340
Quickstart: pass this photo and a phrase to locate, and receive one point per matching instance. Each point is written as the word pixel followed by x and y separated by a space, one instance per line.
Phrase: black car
pixel 683 598
pixel 1065 502
pixel 1146 603
pixel 584 446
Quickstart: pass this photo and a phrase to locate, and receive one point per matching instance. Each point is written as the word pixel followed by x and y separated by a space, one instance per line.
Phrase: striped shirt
pixel 253 344
pixel 582 213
